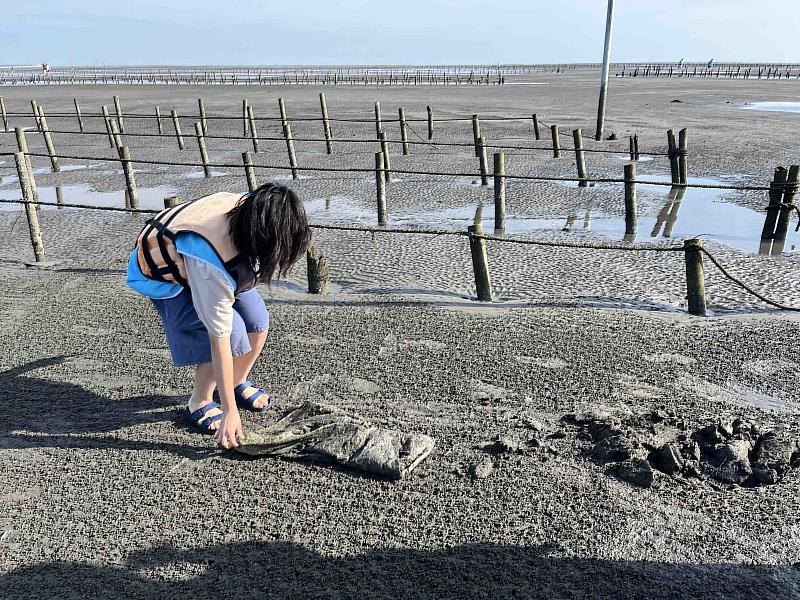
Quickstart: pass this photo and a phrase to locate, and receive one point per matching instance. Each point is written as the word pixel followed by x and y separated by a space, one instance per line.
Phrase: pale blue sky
pixel 401 31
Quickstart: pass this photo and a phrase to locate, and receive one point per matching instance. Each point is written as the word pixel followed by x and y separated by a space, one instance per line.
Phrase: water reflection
pixel 669 213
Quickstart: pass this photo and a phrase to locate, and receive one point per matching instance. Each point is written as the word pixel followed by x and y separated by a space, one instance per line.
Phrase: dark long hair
pixel 270 226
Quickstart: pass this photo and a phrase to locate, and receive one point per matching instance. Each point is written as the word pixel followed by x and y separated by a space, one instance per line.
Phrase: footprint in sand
pixel 666 358
pixel 330 387
pixel 550 362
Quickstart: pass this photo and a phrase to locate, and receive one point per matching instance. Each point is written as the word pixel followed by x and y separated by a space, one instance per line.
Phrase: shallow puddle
pixel 791 107
pixel 152 197
pixel 201 174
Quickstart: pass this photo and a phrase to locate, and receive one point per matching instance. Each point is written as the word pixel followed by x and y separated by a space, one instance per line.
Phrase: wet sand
pixel 111 494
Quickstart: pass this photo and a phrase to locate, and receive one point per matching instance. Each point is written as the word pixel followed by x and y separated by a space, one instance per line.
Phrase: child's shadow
pixel 37 413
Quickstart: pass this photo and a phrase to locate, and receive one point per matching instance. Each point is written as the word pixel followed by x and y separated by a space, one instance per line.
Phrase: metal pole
pixel 601 105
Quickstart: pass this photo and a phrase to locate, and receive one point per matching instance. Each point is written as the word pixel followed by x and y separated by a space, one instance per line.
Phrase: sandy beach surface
pixel 109 494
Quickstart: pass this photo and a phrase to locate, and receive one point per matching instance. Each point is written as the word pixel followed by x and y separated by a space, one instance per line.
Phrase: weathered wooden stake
pixel 430 123
pixel 251 120
pixel 22 146
pixel 636 146
pixel 245 114
pixel 787 205
pixel 107 119
pixel 380 186
pixel 282 107
pixel 202 107
pixel 630 199
pixel 556 143
pixel 118 109
pixel 672 150
pixel 5 115
pixel 482 161
pixel 177 125
pixel 249 171
pixel 35 109
pixel 26 185
pixel 287 132
pixel 387 166
pixel 483 283
pixel 118 143
pixel 536 135
pixel 378 121
pixel 683 169
pixel 695 277
pixel 130 180
pixel 326 124
pixel 171 201
pixel 499 192
pixel 79 114
pixel 403 131
pixel 774 208
pixel 476 133
pixel 631 151
pixel 201 143
pixel 580 158
pixel 158 121
pixel 318 271
pixel 48 141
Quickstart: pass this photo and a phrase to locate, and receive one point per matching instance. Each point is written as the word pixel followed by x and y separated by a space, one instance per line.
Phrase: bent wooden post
pixel 130 181
pixel 118 110
pixel 326 124
pixel 249 171
pixel 201 143
pixel 26 185
pixel 480 268
pixel 48 141
pixel 78 114
pixel 177 125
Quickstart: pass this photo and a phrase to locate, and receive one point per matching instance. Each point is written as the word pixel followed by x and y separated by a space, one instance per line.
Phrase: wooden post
pixel 378 122
pixel 251 119
pixel 48 141
pixel 695 278
pixel 35 109
pixel 430 123
pixel 79 114
pixel 326 124
pixel 556 143
pixel 636 146
pixel 287 132
pixel 22 146
pixel 249 171
pixel 5 115
pixel 403 131
pixel 171 201
pixel 483 283
pixel 482 161
pixel 245 114
pixel 158 121
pixel 282 107
pixel 630 199
pixel 201 143
pixel 118 143
pixel 380 186
pixel 202 107
pixel 672 150
pixel 774 208
pixel 631 151
pixel 787 205
pixel 27 186
pixel 318 271
pixel 130 181
pixel 118 109
pixel 177 125
pixel 682 157
pixel 536 135
pixel 476 133
pixel 499 192
pixel 107 119
pixel 580 159
pixel 387 167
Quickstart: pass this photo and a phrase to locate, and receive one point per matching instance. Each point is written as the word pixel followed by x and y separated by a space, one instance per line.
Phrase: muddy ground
pixel 108 494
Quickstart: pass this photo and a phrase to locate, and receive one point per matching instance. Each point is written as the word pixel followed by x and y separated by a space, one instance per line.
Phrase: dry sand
pixel 109 495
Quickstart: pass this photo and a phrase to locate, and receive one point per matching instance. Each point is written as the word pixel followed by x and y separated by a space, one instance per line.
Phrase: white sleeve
pixel 212 296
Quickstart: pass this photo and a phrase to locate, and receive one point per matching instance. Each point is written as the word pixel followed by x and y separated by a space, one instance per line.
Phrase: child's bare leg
pixel 204 384
pixel 243 364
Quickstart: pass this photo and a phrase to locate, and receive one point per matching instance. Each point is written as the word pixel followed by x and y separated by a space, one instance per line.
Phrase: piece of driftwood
pixel 321 432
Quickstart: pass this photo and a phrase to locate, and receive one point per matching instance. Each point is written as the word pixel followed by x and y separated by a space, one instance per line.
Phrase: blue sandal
pixel 249 402
pixel 201 420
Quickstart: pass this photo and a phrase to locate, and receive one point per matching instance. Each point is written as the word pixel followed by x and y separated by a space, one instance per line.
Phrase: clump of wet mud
pixel 728 452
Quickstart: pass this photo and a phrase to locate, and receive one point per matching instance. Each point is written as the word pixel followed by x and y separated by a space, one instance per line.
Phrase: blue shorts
pixel 187 337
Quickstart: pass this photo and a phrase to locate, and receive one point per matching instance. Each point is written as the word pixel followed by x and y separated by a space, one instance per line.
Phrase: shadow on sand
pixel 263 570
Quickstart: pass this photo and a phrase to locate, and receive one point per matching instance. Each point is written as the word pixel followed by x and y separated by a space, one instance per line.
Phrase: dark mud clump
pixel 729 451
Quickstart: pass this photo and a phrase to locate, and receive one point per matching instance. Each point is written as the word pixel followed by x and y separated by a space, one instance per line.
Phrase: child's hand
pixel 230 430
